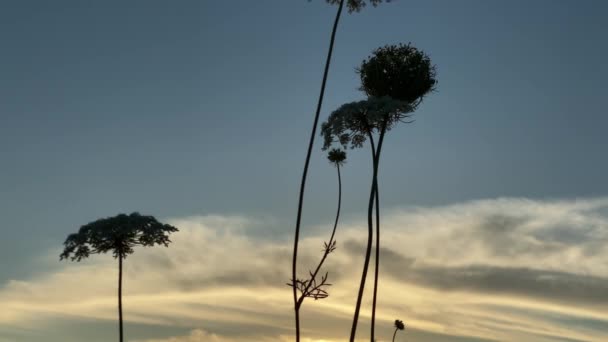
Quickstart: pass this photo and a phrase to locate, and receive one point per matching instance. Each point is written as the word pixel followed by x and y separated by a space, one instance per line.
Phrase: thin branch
pixel 330 246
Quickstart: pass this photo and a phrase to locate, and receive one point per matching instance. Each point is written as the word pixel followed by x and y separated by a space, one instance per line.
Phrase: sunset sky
pixel 494 200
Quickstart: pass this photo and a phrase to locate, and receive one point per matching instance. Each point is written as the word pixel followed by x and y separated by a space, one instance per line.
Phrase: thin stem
pixel 377 256
pixel 377 270
pixel 370 232
pixel 120 297
pixel 395 333
pixel 331 239
pixel 333 233
pixel 305 172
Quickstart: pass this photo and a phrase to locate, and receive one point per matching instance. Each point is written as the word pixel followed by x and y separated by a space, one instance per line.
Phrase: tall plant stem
pixel 370 226
pixel 395 333
pixel 331 239
pixel 377 259
pixel 120 297
pixel 368 249
pixel 305 172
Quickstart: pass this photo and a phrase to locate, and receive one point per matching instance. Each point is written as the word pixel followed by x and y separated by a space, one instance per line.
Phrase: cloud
pixel 548 285
pixel 197 335
pixel 503 269
pixel 200 335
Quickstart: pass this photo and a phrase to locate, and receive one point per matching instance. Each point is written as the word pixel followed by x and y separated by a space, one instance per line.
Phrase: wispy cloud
pixel 504 269
pixel 197 335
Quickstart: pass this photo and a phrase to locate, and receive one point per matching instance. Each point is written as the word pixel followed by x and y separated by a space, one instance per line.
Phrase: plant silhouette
pixel 404 73
pixel 395 78
pixel 118 234
pixel 312 287
pixel 398 326
pixel 353 6
pixel 351 125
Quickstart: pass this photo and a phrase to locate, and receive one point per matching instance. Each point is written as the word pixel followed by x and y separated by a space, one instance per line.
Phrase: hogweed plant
pixel 353 6
pixel 404 73
pixel 118 234
pixel 395 78
pixel 350 126
pixel 313 287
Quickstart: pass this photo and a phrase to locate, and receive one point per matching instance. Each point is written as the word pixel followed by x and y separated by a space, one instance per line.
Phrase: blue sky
pixel 201 108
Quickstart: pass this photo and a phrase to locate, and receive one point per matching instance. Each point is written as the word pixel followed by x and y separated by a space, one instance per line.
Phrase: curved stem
pixel 368 250
pixel 305 172
pixel 395 333
pixel 120 297
pixel 333 233
pixel 377 260
pixel 331 239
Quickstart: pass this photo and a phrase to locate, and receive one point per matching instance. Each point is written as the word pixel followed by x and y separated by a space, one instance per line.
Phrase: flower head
pixel 118 234
pixel 350 124
pixel 336 156
pixel 356 5
pixel 401 72
pixel 399 324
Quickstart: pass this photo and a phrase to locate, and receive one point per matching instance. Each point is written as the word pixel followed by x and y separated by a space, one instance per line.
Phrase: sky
pixel 494 200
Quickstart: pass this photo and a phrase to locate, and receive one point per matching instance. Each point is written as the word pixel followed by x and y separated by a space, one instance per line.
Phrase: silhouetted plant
pixel 383 76
pixel 398 326
pixel 118 234
pixel 401 72
pixel 353 5
pixel 311 287
pixel 351 125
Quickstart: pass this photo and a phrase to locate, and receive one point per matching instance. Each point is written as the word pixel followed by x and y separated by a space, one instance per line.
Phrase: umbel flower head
pixel 401 72
pixel 399 324
pixel 350 124
pixel 356 5
pixel 118 234
pixel 336 156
